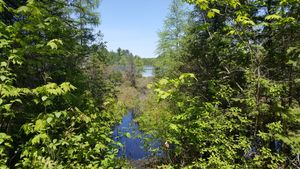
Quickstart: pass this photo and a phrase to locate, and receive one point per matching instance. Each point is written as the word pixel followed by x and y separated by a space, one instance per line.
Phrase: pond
pixel 133 145
pixel 148 71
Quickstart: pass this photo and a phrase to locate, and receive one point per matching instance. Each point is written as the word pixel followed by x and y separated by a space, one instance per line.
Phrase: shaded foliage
pixel 56 111
pixel 240 105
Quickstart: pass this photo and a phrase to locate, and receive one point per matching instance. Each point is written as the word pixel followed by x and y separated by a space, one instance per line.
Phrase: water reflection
pixel 133 146
pixel 148 71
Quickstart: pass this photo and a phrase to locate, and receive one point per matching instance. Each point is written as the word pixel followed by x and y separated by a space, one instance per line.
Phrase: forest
pixel 225 90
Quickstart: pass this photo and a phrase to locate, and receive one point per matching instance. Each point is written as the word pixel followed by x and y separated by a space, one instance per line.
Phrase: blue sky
pixel 133 24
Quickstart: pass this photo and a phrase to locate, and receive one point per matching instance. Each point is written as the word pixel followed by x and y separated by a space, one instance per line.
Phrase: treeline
pixel 128 65
pixel 57 91
pixel 149 61
pixel 229 85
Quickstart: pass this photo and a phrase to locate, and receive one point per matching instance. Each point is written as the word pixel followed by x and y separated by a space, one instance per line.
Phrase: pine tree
pixel 170 37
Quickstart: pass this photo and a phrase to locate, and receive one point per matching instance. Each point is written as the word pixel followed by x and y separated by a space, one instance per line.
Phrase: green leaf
pixel 128 135
pixel 47 103
pixel 30 2
pixel 40 137
pixel 232 32
pixel 163 81
pixel 49 120
pixel 66 86
pixel 244 20
pixel 36 140
pixel 150 86
pixel 57 114
pixel 27 128
pixel 99 147
pixel 216 11
pixel 54 43
pixel 210 14
pixel 165 95
pixel 16 101
pixel 292 62
pixel 44 98
pixel 3 78
pixel 4 137
pixel 293 50
pixel 23 9
pixel 273 17
pixel 36 101
pixel 187 75
pixel 2 5
pixel 174 127
pixel 40 125
pixel 3 64
pixel 4 43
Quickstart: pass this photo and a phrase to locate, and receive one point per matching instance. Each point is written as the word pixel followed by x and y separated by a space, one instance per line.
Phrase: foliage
pixel 131 66
pixel 5 144
pixel 226 93
pixel 45 121
pixel 128 95
pixel 149 61
pixel 169 40
pixel 239 108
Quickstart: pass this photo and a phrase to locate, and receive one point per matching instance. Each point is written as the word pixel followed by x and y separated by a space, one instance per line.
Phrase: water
pixel 133 146
pixel 148 71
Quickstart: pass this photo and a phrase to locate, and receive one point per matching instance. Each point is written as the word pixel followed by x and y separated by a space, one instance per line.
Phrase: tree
pixel 84 10
pixel 45 121
pixel 233 55
pixel 170 38
pixel 239 108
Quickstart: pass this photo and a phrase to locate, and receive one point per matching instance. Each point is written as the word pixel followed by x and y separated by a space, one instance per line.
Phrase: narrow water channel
pixel 133 146
pixel 148 71
pixel 128 134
